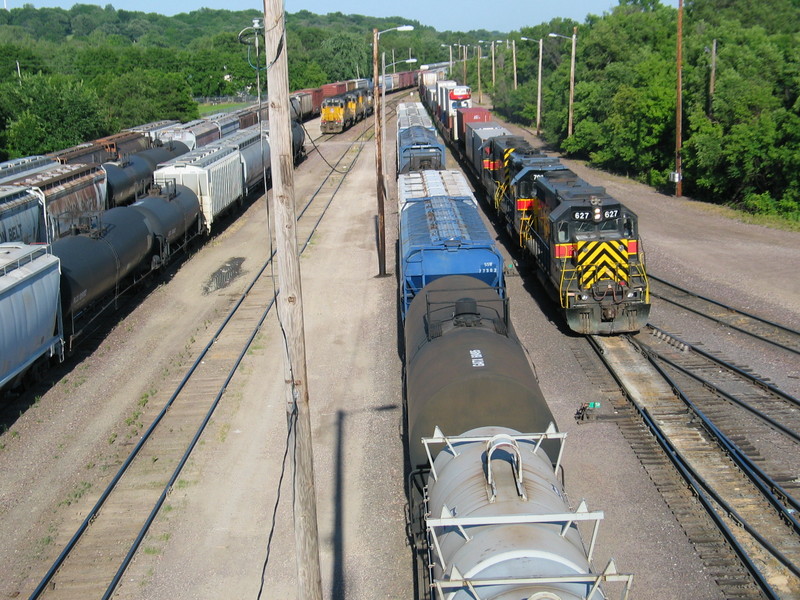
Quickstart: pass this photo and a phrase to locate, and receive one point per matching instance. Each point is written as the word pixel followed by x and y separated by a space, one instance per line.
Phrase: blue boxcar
pixel 442 234
pixel 419 149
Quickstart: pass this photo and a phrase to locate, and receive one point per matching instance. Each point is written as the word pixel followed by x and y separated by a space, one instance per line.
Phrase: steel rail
pixel 729 309
pixel 756 475
pixel 741 372
pixel 692 479
pixel 176 473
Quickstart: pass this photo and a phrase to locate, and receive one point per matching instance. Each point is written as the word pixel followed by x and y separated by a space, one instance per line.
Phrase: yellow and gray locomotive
pixel 585 243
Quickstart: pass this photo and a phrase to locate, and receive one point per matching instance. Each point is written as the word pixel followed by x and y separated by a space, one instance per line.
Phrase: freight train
pixel 489 517
pixel 105 251
pixel 584 244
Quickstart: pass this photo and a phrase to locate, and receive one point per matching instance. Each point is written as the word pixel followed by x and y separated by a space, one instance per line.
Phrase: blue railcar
pixel 419 149
pixel 442 234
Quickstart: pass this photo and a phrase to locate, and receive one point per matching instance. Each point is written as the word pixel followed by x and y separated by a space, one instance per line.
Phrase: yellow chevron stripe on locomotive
pixel 599 261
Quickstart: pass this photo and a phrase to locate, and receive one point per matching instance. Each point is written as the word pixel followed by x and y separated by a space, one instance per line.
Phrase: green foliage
pixel 741 143
pixel 145 95
pixel 43 113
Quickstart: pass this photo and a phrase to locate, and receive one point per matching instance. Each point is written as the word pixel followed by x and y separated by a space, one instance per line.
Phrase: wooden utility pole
pixel 514 60
pixel 712 80
pixel 679 105
pixel 290 307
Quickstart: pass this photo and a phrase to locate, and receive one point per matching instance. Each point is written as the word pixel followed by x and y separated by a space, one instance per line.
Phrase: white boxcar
pixel 30 309
pixel 213 173
pixel 254 155
pixel 22 215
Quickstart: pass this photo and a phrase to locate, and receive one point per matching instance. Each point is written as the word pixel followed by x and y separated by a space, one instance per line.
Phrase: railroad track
pixel 762 329
pixel 94 560
pixel 748 544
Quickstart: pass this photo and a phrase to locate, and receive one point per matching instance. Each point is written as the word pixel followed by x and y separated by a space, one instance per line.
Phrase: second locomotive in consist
pixel 584 243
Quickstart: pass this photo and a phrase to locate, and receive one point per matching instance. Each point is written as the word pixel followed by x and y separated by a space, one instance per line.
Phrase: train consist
pixel 584 243
pixel 489 516
pixel 344 110
pixel 110 248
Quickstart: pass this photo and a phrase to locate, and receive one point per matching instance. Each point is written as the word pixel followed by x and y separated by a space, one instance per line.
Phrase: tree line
pixel 740 97
pixel 68 76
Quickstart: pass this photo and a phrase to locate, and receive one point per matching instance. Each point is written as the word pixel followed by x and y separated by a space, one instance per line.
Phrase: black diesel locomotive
pixel 584 243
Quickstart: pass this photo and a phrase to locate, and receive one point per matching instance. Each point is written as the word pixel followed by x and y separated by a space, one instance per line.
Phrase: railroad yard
pixel 225 526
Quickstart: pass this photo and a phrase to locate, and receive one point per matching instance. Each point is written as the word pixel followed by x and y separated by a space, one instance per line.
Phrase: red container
pixel 476 114
pixel 334 89
pixel 316 99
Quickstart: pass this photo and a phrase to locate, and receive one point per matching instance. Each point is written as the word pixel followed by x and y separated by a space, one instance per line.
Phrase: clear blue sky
pixel 455 15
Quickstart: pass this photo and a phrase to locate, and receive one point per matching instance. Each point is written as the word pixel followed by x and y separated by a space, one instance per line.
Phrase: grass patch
pixel 210 109
pixel 77 493
pixel 223 432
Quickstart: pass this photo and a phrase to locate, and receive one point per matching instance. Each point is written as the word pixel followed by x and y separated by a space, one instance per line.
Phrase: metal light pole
pixel 376 100
pixel 539 91
pixel 514 60
pixel 449 47
pixel 574 39
pixel 493 74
